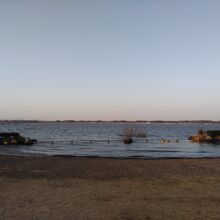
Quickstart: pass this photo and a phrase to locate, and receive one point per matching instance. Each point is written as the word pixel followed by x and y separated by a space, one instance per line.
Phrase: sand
pixel 93 188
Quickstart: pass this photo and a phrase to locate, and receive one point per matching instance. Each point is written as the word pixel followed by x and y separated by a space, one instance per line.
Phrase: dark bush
pixel 213 133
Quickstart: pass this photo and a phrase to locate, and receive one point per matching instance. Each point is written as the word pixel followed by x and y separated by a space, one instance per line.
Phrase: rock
pixel 128 140
pixel 206 136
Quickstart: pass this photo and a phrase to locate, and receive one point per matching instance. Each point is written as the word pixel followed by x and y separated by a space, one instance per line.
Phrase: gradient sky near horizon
pixel 116 59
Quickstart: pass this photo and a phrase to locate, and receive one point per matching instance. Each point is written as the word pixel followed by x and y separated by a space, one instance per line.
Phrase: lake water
pixel 91 139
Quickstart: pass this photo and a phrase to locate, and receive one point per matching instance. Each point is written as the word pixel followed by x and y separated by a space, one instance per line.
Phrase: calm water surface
pixel 62 133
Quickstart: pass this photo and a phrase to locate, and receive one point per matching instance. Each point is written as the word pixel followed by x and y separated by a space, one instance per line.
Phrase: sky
pixel 110 60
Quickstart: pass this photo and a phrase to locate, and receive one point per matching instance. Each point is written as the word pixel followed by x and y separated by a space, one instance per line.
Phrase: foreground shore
pixel 93 188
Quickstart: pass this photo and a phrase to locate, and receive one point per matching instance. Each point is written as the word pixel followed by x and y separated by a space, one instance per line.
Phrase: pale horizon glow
pixel 109 60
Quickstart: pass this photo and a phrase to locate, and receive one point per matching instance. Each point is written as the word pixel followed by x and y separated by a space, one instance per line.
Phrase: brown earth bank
pixel 93 188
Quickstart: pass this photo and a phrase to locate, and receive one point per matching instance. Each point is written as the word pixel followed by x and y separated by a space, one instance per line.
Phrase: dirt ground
pixel 93 188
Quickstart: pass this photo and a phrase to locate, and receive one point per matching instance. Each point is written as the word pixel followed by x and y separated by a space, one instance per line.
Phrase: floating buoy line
pixel 109 141
pixel 7 138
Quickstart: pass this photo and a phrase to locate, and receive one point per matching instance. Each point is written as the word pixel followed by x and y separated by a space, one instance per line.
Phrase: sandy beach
pixel 95 188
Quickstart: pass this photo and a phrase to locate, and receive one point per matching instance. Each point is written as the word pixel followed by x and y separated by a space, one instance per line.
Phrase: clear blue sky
pixel 115 59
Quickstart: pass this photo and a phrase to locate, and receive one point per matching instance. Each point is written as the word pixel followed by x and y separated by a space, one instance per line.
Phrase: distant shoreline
pixel 115 121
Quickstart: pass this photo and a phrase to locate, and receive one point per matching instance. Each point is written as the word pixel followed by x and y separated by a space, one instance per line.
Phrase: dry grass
pixel 77 188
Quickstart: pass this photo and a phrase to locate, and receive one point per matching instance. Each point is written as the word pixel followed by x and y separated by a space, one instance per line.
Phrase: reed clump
pixel 133 132
pixel 130 133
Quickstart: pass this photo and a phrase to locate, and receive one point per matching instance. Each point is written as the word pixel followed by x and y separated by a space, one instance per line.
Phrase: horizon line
pixel 122 121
